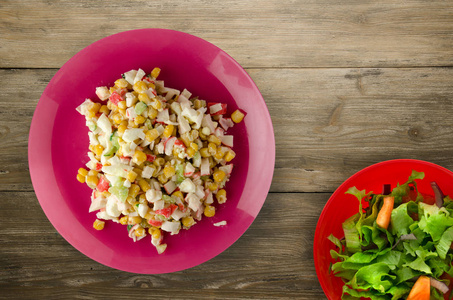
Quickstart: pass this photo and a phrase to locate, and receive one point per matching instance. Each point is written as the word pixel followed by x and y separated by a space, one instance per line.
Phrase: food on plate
pixel 159 158
pixel 398 246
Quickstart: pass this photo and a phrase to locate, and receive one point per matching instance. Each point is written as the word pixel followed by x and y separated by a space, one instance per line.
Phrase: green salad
pixel 398 243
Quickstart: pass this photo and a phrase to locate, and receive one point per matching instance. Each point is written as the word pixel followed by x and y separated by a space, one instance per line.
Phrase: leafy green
pixel 383 264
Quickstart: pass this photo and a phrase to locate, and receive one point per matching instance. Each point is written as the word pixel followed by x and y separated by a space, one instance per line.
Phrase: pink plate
pixel 58 145
pixel 341 206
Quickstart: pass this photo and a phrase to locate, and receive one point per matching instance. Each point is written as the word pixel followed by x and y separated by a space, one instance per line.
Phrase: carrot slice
pixel 421 289
pixel 383 218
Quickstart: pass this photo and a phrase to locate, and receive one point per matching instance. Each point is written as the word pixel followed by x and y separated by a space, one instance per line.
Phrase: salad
pixel 399 246
pixel 159 158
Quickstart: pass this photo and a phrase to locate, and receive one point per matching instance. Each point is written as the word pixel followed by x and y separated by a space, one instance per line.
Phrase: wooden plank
pixel 273 259
pixel 270 33
pixel 328 123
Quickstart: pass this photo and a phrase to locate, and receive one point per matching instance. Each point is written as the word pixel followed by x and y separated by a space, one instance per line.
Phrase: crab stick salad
pixel 159 158
pixel 399 247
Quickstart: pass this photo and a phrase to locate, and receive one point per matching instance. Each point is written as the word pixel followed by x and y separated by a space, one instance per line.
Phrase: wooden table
pixel 347 83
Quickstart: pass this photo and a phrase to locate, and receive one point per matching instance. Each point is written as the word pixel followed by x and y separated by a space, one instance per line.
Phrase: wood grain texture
pixel 273 259
pixel 328 123
pixel 257 33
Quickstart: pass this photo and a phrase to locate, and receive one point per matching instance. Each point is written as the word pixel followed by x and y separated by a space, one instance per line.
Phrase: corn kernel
pixel 229 155
pixel 134 190
pixel 169 171
pixel 134 220
pixel 212 186
pixel 122 105
pixel 140 231
pixel 144 185
pixel 81 178
pixel 156 233
pixel 221 196
pixel 151 135
pixel 194 146
pixel 142 199
pixel 131 175
pixel 123 220
pixel 132 124
pixel 168 130
pixel 139 157
pixel 219 153
pixel 104 110
pixel 98 149
pixel 190 152
pixel 83 172
pixel 237 116
pixel 197 104
pixel 178 194
pixel 162 178
pixel 121 129
pixel 159 161
pixel 152 112
pixel 139 120
pixel 155 72
pixel 151 85
pixel 188 221
pixel 218 175
pixel 92 181
pixel 98 224
pixel 156 104
pixel 204 152
pixel 213 139
pixel 212 148
pixel 140 87
pixel 144 98
pixel 90 114
pixel 185 139
pixel 121 83
pixel 209 211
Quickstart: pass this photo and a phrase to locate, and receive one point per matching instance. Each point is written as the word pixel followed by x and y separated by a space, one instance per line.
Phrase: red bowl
pixel 341 206
pixel 58 145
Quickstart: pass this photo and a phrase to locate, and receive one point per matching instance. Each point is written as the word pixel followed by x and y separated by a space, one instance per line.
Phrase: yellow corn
pixel 162 178
pixel 123 221
pixel 155 72
pixel 131 175
pixel 159 161
pixel 134 190
pixel 98 149
pixel 151 135
pixel 134 220
pixel 139 157
pixel 209 211
pixel 121 83
pixel 169 171
pixel 90 114
pixel 83 172
pixel 237 116
pixel 155 232
pixel 81 178
pixel 140 231
pixel 185 139
pixel 212 186
pixel 139 120
pixel 144 98
pixel 212 148
pixel 219 153
pixel 117 118
pixel 98 224
pixel 221 196
pixel 218 175
pixel 213 139
pixel 156 104
pixel 138 171
pixel 122 105
pixel 178 194
pixel 140 87
pixel 144 185
pixel 92 181
pixel 168 131
pixel 194 146
pixel 229 155
pixel 121 129
pixel 152 113
pixel 190 152
pixel 104 109
pixel 132 124
pixel 188 221
pixel 142 199
pixel 151 85
pixel 93 173
pixel 204 152
pixel 197 104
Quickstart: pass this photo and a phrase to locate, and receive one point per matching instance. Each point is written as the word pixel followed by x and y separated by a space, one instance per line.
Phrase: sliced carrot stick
pixel 383 218
pixel 421 289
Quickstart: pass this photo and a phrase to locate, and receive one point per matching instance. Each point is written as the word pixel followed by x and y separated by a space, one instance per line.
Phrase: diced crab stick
pixel 155 223
pixel 168 144
pixel 167 211
pixel 150 157
pixel 226 123
pixel 217 108
pixel 98 166
pixel 170 187
pixel 227 140
pixel 103 184
pixel 227 168
pixel 205 168
pixel 189 170
pixel 103 93
pixel 115 98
